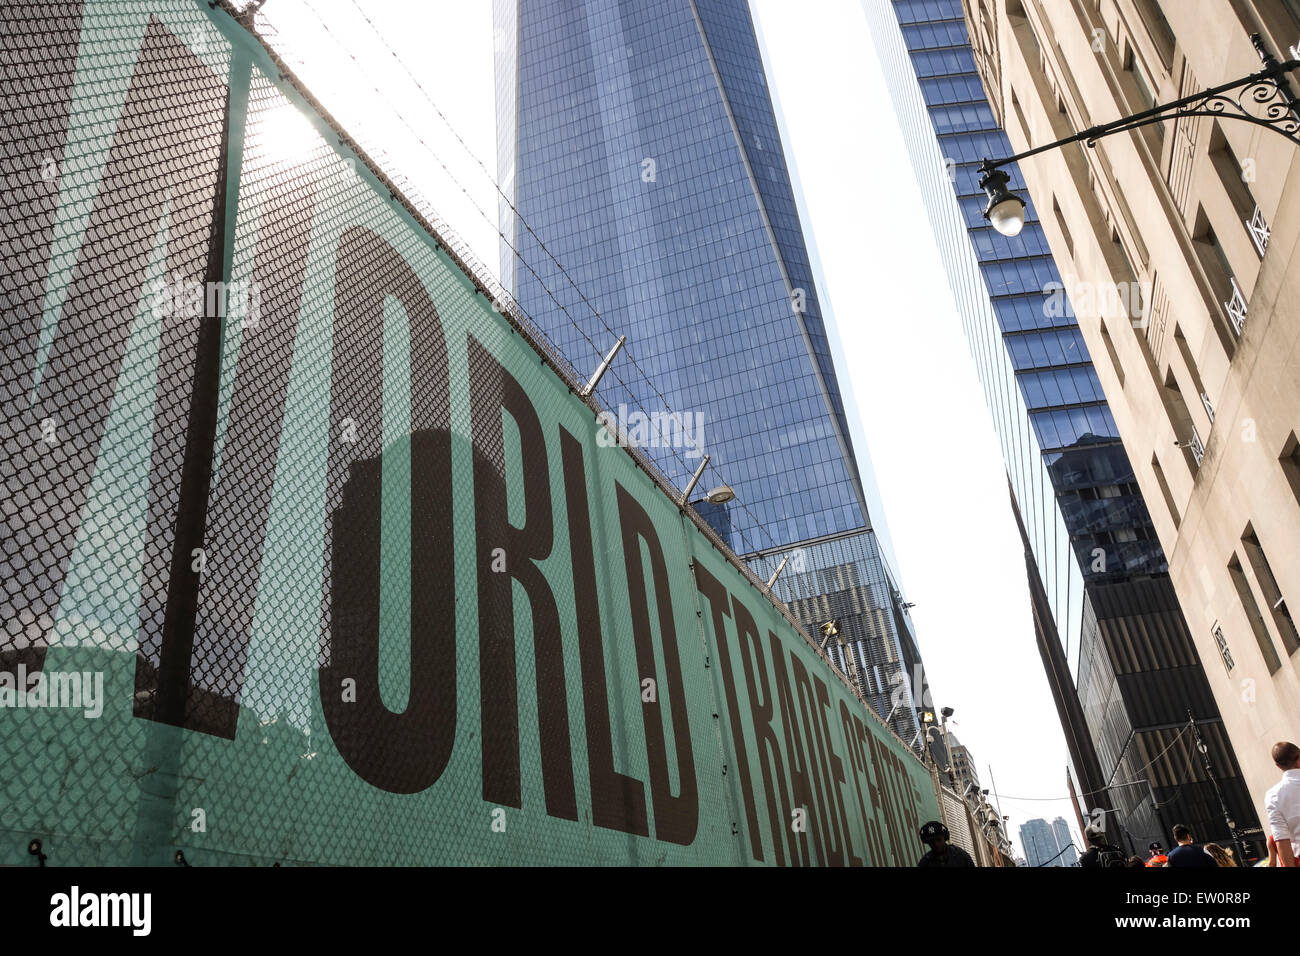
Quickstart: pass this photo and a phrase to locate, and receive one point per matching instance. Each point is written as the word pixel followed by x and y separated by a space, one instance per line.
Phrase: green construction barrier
pixel 312 556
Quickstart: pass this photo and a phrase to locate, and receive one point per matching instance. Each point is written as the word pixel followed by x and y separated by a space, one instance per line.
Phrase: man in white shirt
pixel 1282 803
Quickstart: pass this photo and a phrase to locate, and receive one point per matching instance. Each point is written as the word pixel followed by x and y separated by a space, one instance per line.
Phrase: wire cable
pixel 711 467
pixel 754 522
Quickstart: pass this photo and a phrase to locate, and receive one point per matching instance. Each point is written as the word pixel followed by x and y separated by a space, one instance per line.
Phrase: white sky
pixel 901 356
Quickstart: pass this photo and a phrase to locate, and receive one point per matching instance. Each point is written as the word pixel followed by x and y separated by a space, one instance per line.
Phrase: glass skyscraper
pixel 1048 844
pixel 1070 855
pixel 639 143
pixel 1118 653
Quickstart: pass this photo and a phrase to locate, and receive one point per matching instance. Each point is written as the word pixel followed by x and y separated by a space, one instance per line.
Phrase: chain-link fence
pixel 310 555
pixel 965 831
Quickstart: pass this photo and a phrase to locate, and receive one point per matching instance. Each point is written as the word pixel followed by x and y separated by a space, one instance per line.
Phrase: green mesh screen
pixel 312 556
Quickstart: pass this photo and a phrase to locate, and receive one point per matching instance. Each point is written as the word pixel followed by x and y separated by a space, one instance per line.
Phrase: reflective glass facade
pixel 1070 472
pixel 1089 535
pixel 638 141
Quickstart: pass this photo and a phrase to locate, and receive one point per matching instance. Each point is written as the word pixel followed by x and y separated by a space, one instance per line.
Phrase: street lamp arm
pixel 1263 98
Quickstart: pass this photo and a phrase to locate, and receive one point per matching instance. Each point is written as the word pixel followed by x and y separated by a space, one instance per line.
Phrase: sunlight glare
pixel 288 136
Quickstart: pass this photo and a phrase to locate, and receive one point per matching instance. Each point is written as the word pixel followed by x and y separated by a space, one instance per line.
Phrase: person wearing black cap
pixel 942 853
pixel 1100 854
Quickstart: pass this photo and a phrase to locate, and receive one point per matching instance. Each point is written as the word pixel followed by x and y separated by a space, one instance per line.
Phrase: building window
pixel 1268 587
pixel 1162 35
pixel 1130 273
pixel 1060 224
pixel 1290 462
pixel 1230 170
pixel 1186 436
pixel 1218 272
pixel 1222 643
pixel 1257 226
pixel 1293 8
pixel 1020 117
pixel 1208 406
pixel 1236 307
pixel 1165 492
pixel 1251 610
pixel 1232 176
pixel 1146 97
pixel 1110 350
pixel 1189 362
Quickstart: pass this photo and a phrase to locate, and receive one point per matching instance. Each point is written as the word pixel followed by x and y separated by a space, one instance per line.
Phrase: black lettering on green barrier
pixel 492 390
pixel 617 800
pixel 718 599
pixel 800 768
pixel 193 368
pixel 240 505
pixel 398 752
pixel 856 775
pixel 888 800
pixel 30 573
pixel 905 813
pixel 835 771
pixel 885 799
pixel 761 709
pixel 854 731
pixel 910 804
pixel 161 174
pixel 817 760
pixel 676 818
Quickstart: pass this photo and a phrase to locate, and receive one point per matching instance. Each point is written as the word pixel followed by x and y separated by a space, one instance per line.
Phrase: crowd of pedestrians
pixel 1281 806
pixel 1186 853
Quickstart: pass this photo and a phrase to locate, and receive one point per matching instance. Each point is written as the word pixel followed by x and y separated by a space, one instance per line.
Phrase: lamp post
pixel 1223 804
pixel 1264 99
pixel 718 496
pixel 715 496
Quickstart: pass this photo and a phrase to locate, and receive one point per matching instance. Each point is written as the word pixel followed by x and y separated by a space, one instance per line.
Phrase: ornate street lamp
pixel 1264 98
pixel 1006 210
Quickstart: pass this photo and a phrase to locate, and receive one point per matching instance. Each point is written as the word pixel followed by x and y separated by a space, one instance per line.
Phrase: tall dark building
pixel 639 143
pixel 1118 654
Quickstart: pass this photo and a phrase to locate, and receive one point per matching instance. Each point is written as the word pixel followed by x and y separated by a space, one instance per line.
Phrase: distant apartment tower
pixel 639 143
pixel 1065 843
pixel 1199 214
pixel 1039 843
pixel 1048 844
pixel 1119 658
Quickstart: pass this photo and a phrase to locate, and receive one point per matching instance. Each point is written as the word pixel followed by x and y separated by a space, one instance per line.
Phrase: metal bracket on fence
pixel 695 479
pixel 179 859
pixel 34 848
pixel 777 573
pixel 604 366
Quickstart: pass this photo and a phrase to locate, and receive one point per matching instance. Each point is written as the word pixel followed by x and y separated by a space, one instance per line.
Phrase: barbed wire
pixel 754 524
